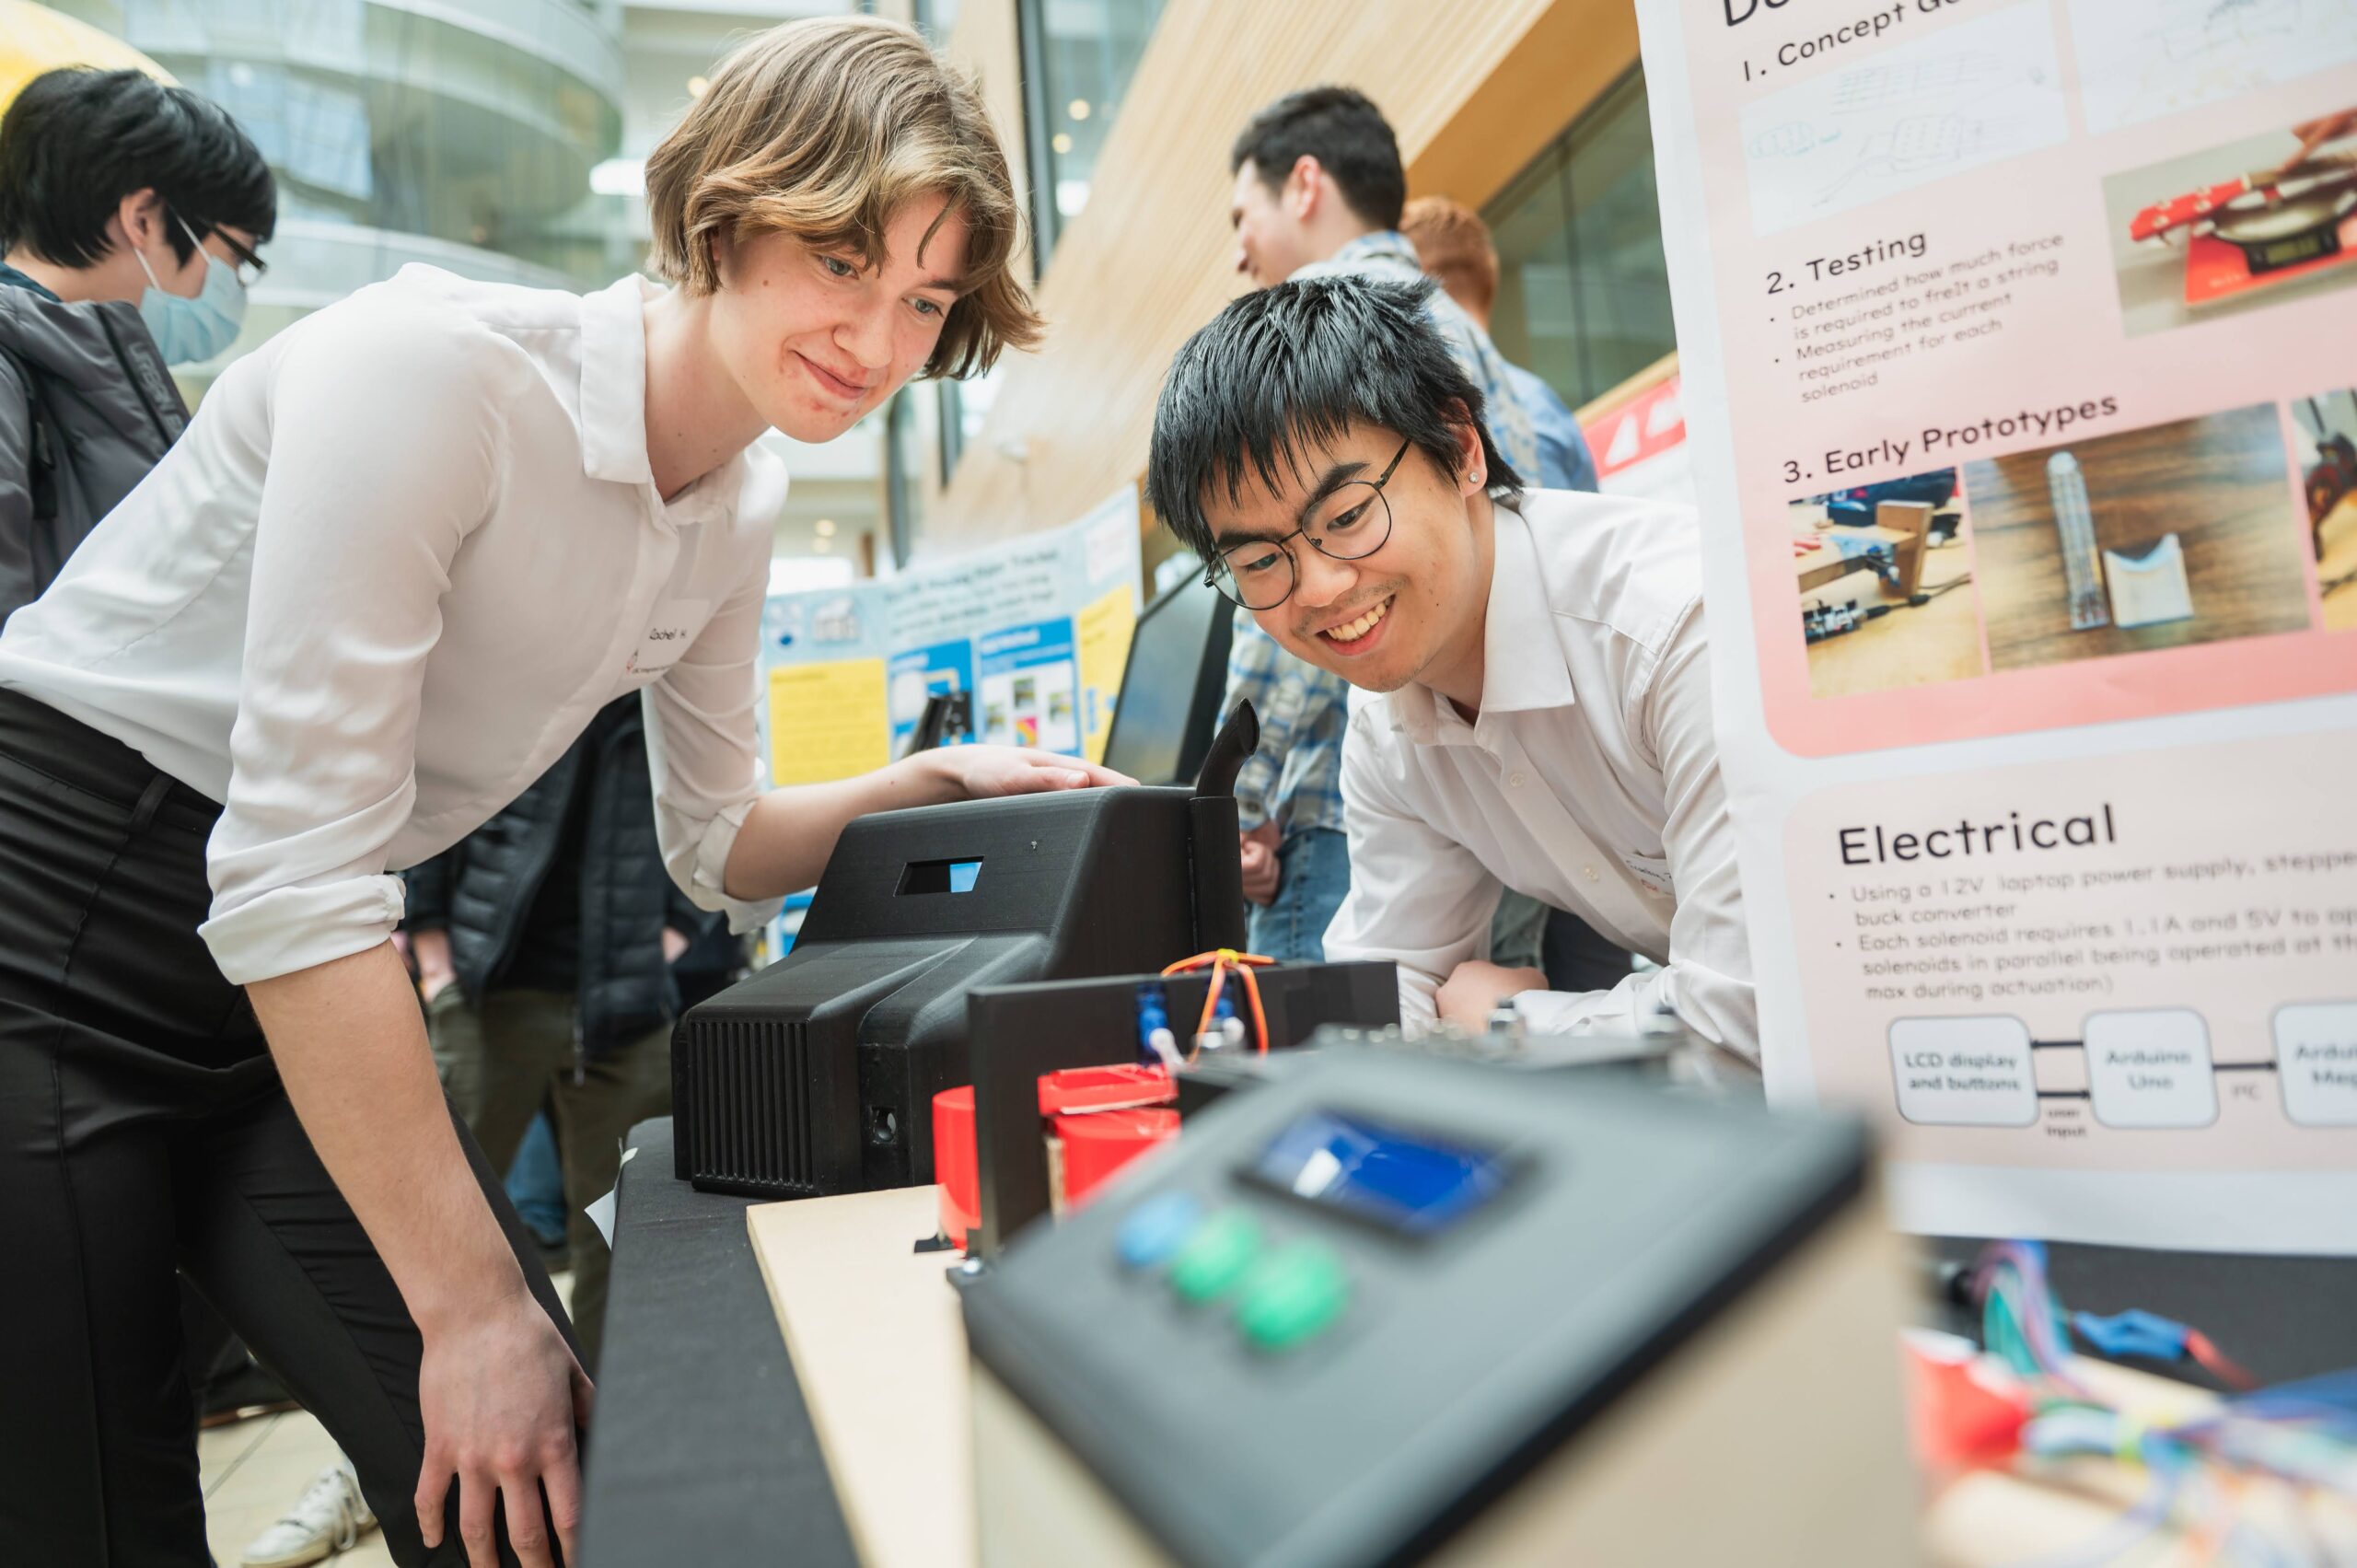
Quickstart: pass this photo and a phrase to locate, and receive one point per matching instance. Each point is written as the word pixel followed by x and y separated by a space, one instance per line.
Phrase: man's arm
pixel 1707 983
pixel 1417 897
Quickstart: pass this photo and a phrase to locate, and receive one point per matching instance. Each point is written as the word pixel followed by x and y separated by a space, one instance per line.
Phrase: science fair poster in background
pixel 1035 628
pixel 2018 340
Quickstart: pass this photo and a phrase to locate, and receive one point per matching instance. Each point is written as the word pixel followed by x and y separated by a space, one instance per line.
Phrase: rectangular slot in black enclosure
pixel 940 877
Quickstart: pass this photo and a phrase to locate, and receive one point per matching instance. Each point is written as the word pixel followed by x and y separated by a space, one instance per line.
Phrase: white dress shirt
pixel 1590 779
pixel 404 552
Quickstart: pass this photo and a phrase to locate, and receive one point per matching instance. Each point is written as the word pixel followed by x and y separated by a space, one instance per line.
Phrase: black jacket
pixel 86 410
pixel 481 888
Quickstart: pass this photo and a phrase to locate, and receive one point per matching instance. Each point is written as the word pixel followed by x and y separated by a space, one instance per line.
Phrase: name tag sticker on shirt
pixel 673 626
pixel 1652 870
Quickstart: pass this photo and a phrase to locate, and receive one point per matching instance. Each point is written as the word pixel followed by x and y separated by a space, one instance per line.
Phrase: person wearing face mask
pixel 405 552
pixel 106 282
pixel 130 212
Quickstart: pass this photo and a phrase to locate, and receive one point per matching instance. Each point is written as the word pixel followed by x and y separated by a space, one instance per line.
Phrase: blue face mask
pixel 189 330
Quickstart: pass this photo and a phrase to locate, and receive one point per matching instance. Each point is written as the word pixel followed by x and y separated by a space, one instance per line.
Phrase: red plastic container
pixel 1105 1088
pixel 954 1162
pixel 1098 1143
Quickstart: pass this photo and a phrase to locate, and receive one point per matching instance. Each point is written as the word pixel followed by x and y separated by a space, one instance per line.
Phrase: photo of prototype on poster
pixel 2160 537
pixel 2256 223
pixel 1879 569
pixel 2324 431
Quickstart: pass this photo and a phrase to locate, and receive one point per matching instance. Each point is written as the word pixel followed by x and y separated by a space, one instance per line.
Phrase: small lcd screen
pixel 1408 1182
pixel 940 876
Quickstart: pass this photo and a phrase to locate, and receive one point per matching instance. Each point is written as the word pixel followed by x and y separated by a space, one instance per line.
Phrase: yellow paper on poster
pixel 828 720
pixel 1105 630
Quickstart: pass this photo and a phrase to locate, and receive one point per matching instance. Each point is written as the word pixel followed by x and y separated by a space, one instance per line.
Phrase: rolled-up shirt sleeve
pixel 1417 897
pixel 386 443
pixel 704 750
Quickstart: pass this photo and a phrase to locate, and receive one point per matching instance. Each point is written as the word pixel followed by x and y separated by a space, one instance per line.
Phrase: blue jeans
pixel 1314 873
pixel 537 1182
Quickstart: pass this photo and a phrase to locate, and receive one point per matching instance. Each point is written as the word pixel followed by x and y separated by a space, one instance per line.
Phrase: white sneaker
pixel 331 1516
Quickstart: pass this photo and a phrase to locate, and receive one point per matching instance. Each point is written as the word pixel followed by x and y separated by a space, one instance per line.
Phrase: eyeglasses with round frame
pixel 1349 522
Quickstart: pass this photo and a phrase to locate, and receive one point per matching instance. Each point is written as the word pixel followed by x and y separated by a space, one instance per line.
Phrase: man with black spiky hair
pixel 1533 705
pixel 1317 187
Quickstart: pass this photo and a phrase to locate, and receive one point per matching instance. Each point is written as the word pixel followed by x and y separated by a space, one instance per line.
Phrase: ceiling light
pixel 1077 109
pixel 1060 141
pixel 619 177
pixel 699 86
pixel 824 528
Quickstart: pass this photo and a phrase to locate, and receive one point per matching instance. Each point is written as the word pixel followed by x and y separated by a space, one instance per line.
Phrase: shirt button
pixel 1515 779
pixel 1588 872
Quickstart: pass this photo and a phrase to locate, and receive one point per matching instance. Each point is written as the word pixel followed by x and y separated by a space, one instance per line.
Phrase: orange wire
pixel 1216 955
pixel 1221 961
pixel 1259 1019
pixel 1211 995
pixel 2203 1349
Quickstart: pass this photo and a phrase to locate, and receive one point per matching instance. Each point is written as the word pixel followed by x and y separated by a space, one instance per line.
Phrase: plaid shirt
pixel 1390 257
pixel 1295 779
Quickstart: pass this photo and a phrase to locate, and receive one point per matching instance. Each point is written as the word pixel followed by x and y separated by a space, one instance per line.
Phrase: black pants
pixel 144 1131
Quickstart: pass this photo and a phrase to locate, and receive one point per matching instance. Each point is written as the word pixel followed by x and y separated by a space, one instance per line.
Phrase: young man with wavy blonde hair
pixel 402 555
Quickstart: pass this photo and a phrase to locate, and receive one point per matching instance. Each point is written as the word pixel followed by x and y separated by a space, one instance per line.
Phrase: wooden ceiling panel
pixel 1474 88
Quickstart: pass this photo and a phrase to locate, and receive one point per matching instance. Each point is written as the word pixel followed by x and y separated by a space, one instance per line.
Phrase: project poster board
pixel 1639 445
pixel 1037 629
pixel 2017 382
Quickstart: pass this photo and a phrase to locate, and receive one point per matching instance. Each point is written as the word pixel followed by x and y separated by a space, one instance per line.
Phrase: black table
pixel 702 1450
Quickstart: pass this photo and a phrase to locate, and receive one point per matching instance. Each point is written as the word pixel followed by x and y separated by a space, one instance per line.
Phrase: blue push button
pixel 1156 1229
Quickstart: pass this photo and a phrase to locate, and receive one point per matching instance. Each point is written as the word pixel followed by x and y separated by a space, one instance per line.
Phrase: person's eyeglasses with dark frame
pixel 249 268
pixel 1346 521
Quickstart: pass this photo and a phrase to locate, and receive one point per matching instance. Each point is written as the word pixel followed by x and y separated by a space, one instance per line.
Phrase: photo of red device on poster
pixel 2266 225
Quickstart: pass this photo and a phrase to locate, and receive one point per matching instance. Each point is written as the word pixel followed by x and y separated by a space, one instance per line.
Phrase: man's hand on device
pixel 1476 988
pixel 1261 866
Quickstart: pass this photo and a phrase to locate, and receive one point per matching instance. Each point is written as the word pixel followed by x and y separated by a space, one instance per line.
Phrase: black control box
pixel 817 1075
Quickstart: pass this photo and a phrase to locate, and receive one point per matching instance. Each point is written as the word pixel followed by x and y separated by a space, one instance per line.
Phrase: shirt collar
pixel 1385 253
pixel 613 383
pixel 1522 661
pixel 14 279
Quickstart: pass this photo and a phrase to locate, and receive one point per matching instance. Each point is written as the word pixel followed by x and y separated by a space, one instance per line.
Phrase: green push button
pixel 1217 1257
pixel 1295 1297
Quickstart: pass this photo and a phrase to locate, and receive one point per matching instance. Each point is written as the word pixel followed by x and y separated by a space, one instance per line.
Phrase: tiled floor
pixel 255 1470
